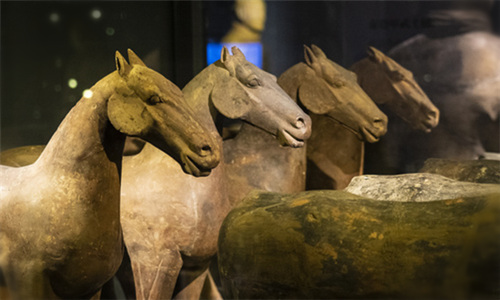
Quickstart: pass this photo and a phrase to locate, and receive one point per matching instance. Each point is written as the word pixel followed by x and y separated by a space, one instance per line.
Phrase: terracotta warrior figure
pixel 60 234
pixel 171 230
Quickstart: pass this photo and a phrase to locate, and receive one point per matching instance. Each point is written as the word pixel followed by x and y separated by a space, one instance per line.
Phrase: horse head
pixel 147 105
pixel 329 89
pixel 395 86
pixel 246 92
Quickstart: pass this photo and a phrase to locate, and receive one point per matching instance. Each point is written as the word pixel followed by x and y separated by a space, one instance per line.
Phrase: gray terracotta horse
pixel 171 230
pixel 327 90
pixel 60 234
pixel 461 74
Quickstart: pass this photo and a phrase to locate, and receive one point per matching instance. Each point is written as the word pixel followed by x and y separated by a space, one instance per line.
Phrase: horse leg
pixel 210 290
pixel 4 292
pixel 192 284
pixel 155 279
pixel 97 296
pixel 121 286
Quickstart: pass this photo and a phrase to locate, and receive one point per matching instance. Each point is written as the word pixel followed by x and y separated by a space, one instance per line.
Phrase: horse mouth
pixel 191 167
pixel 369 136
pixel 287 139
pixel 427 125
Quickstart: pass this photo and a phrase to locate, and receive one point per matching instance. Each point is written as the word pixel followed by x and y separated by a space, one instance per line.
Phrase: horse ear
pixel 315 95
pixel 225 58
pixel 317 51
pixel 128 116
pixel 122 65
pixel 309 56
pixel 237 52
pixel 134 59
pixel 375 55
pixel 230 99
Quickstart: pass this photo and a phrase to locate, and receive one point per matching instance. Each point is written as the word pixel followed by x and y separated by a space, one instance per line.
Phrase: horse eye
pixel 339 83
pixel 154 100
pixel 253 83
pixel 397 76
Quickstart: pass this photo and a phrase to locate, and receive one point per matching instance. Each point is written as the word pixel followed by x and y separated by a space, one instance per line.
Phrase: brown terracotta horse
pixel 388 84
pixel 60 234
pixel 335 102
pixel 171 230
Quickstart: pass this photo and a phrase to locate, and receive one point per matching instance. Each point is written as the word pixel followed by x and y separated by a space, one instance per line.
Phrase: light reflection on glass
pixel 96 14
pixel 72 83
pixel 110 31
pixel 54 17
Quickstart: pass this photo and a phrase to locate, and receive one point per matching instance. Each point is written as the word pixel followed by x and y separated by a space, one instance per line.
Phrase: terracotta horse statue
pixel 411 236
pixel 171 230
pixel 389 84
pixel 385 82
pixel 395 89
pixel 461 74
pixel 331 94
pixel 60 234
pixel 336 102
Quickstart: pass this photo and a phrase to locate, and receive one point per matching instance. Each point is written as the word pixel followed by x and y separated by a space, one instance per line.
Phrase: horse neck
pixel 86 140
pixel 254 137
pixel 373 81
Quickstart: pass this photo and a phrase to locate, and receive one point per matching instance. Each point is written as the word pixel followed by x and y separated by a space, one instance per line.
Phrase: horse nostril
pixel 380 123
pixel 432 115
pixel 300 123
pixel 205 150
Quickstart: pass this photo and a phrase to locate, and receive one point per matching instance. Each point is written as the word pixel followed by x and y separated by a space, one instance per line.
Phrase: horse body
pixel 254 160
pixel 171 230
pixel 461 74
pixel 60 233
pixel 70 197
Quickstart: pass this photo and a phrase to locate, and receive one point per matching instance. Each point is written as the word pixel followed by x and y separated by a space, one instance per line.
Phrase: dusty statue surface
pixel 460 72
pixel 337 245
pixel 480 171
pixel 171 230
pixel 60 233
pixel 416 187
pixel 335 154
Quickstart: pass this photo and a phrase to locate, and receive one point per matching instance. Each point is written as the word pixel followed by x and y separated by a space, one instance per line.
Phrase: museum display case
pixel 250 149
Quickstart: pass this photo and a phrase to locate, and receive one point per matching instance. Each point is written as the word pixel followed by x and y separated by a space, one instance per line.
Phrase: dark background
pixel 39 56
